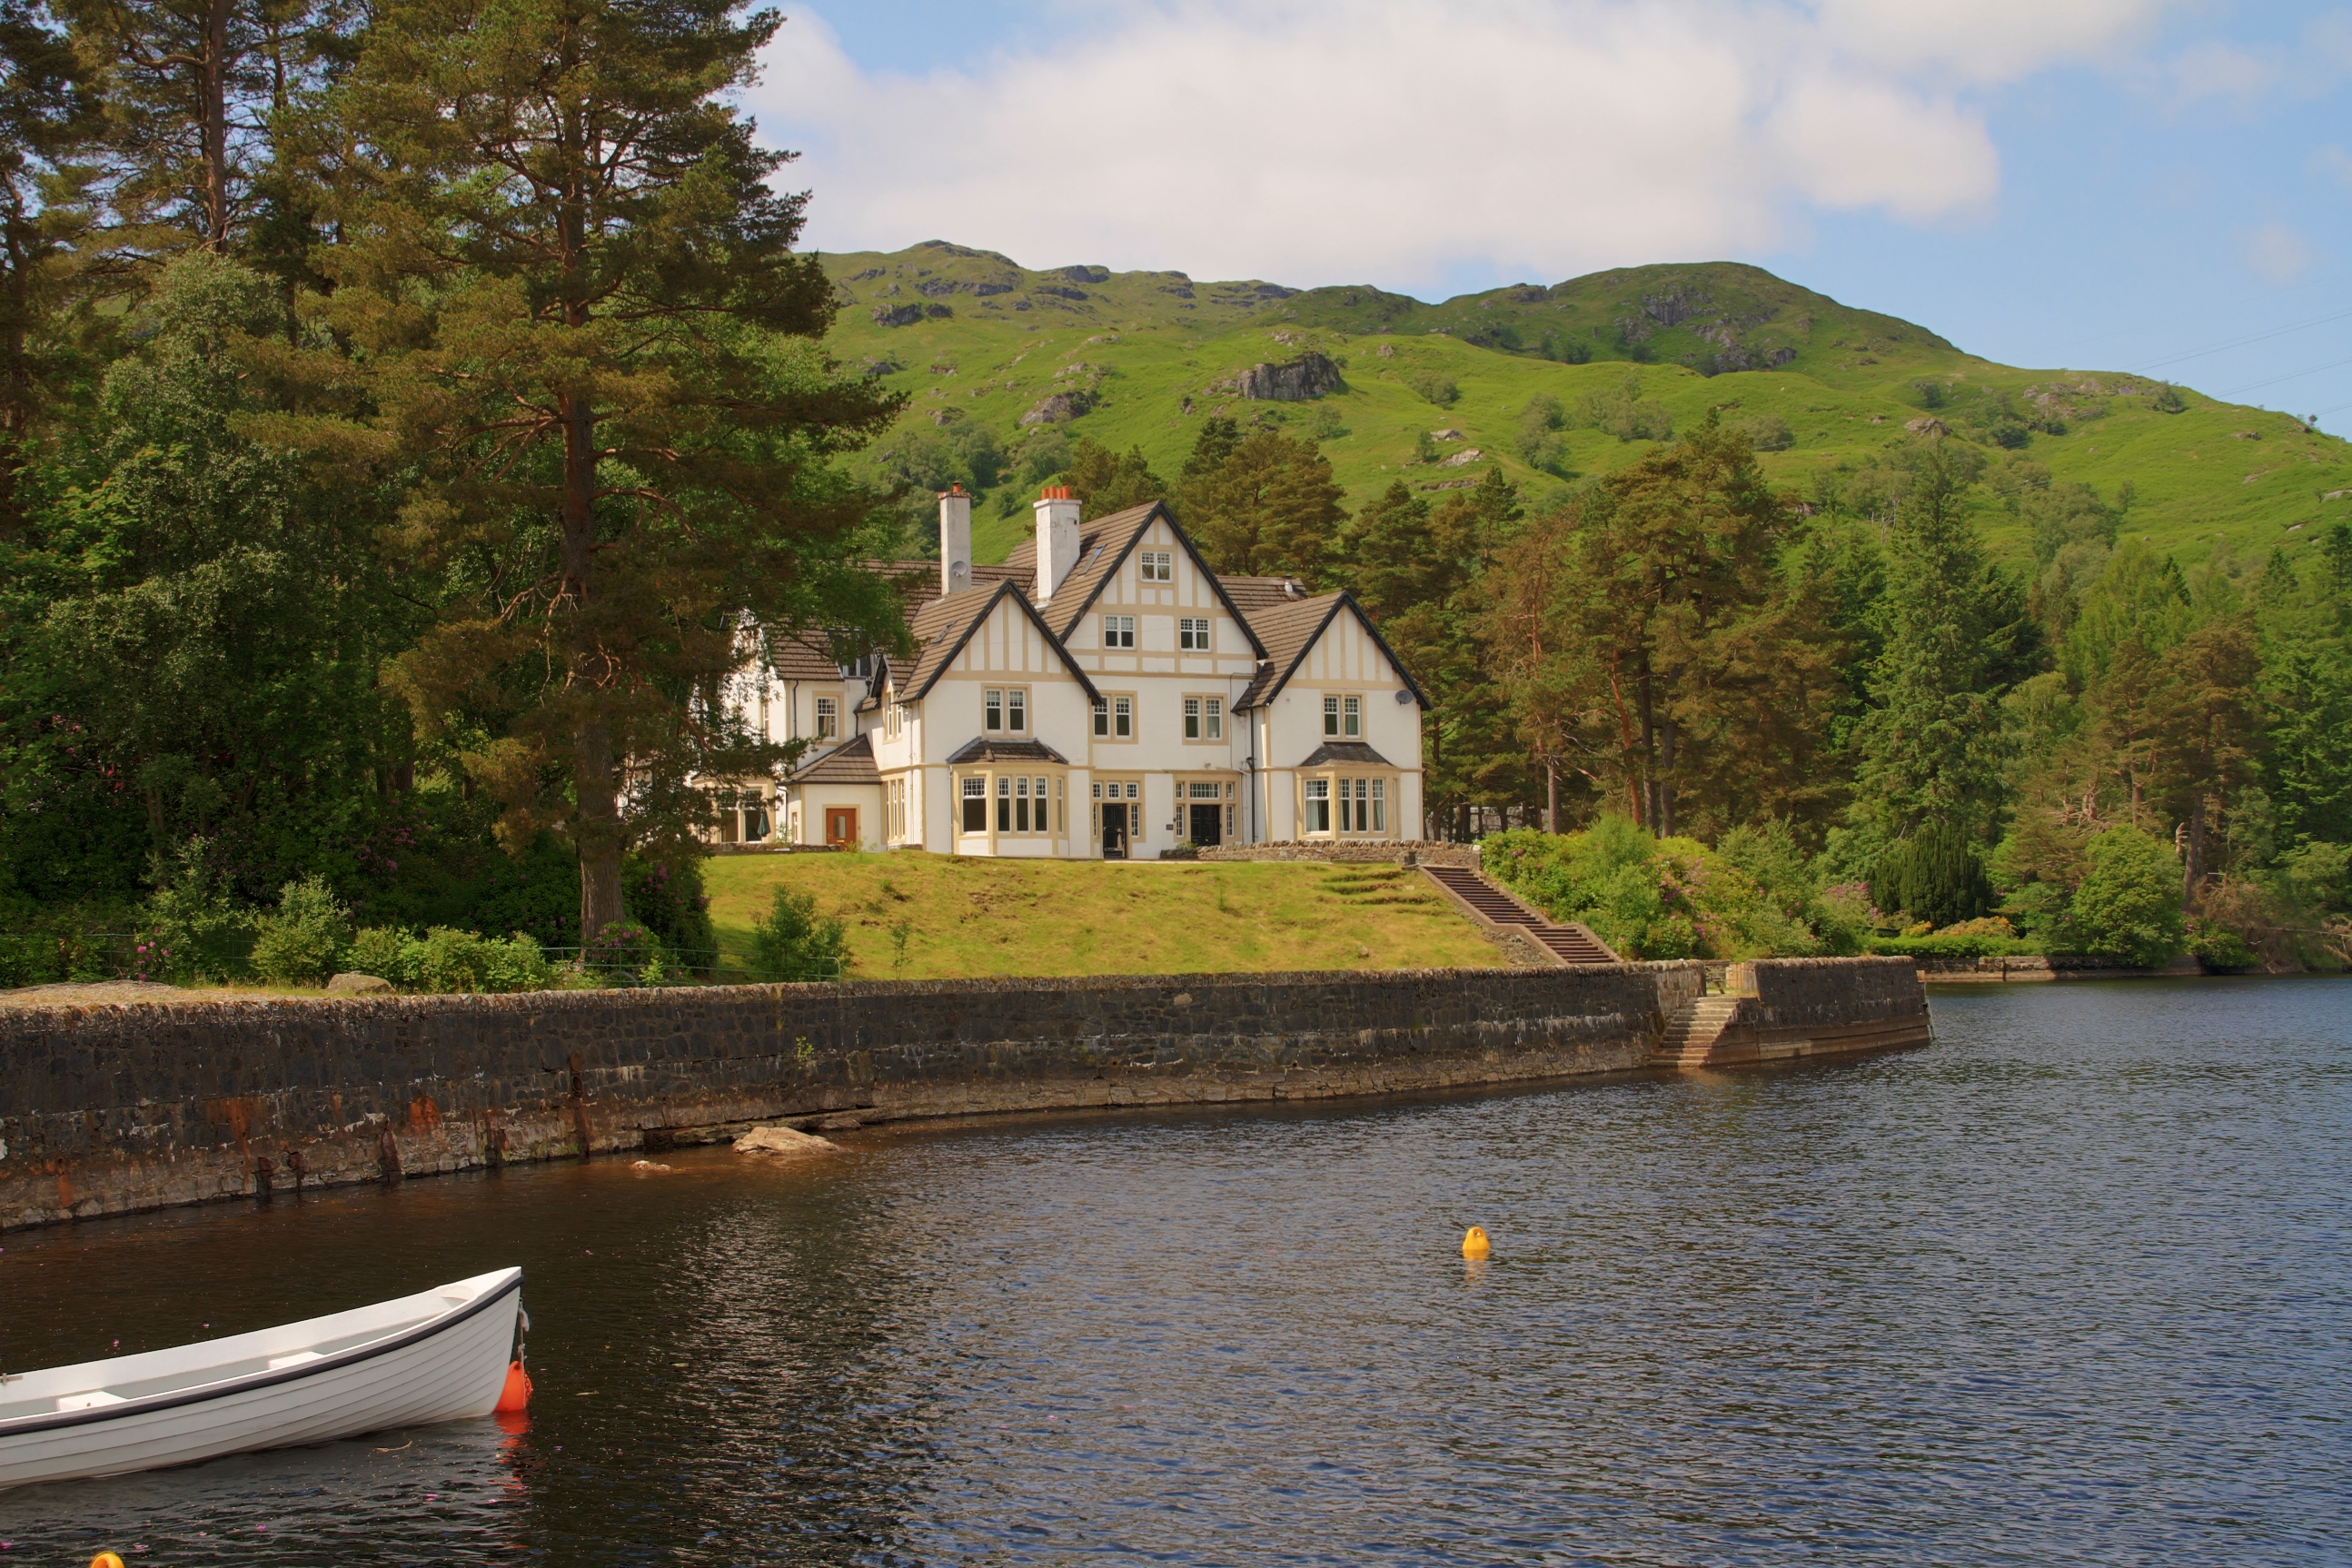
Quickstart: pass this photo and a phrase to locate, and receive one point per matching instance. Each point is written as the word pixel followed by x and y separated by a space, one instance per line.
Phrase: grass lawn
pixel 963 917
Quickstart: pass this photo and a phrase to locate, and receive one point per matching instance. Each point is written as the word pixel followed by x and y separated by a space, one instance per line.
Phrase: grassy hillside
pixel 971 336
pixel 978 917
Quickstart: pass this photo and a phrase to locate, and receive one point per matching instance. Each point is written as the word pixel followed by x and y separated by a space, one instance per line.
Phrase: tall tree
pixel 1107 482
pixel 48 118
pixel 2210 727
pixel 1957 636
pixel 1696 666
pixel 574 309
pixel 1270 509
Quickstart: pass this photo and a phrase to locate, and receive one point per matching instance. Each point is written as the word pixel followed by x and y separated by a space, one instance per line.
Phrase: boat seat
pixel 89 1401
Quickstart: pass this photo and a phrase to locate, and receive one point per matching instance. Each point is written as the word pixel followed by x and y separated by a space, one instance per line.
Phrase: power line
pixel 2298 375
pixel 2242 343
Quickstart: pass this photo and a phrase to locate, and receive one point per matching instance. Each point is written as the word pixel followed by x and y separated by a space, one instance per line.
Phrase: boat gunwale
pixel 198 1395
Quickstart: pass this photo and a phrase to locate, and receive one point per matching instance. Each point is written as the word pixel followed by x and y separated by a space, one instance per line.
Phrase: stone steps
pixel 1692 1031
pixel 1572 944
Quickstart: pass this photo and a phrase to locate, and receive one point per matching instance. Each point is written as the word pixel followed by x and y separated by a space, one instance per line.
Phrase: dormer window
pixel 1157 566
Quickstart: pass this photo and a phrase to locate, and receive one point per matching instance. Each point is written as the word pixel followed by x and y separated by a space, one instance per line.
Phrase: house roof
pixel 1256 595
pixel 851 763
pixel 942 628
pixel 1292 629
pixel 1103 545
pixel 1346 753
pixel 801 656
pixel 990 751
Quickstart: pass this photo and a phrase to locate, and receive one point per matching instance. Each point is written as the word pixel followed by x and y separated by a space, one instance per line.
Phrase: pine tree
pixel 1957 636
pixel 573 312
pixel 1270 509
pixel 1107 482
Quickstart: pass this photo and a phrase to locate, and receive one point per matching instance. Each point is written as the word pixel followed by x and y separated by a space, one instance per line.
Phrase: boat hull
pixel 450 1368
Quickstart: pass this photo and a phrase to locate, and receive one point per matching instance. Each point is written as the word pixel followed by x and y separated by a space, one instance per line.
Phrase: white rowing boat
pixel 438 1355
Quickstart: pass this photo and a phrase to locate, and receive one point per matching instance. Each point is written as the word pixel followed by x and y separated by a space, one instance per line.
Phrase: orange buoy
pixel 106 1560
pixel 516 1395
pixel 1475 1243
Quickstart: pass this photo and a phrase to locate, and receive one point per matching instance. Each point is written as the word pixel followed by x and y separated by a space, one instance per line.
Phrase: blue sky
pixel 2093 183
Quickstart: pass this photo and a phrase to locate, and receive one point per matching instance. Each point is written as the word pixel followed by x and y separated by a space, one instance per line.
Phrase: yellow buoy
pixel 1474 1243
pixel 106 1560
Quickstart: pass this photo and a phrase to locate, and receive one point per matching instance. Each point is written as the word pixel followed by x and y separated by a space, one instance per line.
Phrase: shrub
pixel 627 953
pixel 1951 944
pixel 301 941
pixel 666 897
pixel 2128 903
pixel 1436 385
pixel 792 942
pixel 446 960
pixel 192 923
pixel 1936 876
pixel 1768 433
pixel 1647 897
pixel 383 952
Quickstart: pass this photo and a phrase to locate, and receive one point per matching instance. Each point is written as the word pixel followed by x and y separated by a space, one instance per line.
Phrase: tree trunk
pixel 2192 871
pixel 215 126
pixel 1666 779
pixel 1552 795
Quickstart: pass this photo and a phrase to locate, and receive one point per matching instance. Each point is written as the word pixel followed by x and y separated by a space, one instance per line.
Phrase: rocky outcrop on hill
pixel 1060 406
pixel 908 315
pixel 1309 375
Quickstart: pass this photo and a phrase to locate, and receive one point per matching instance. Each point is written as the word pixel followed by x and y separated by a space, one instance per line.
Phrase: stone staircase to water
pixel 1692 1030
pixel 1490 905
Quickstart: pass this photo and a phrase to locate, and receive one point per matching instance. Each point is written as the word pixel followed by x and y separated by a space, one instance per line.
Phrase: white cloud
pixel 1384 140
pixel 2277 254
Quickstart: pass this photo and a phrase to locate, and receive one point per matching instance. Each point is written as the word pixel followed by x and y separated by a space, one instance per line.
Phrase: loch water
pixel 2067 1287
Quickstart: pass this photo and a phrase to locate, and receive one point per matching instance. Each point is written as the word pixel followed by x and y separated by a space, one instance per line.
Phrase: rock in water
pixel 782 1141
pixel 358 985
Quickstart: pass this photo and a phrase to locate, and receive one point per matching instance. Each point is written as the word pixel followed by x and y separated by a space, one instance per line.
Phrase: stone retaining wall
pixel 108 1109
pixel 1815 1007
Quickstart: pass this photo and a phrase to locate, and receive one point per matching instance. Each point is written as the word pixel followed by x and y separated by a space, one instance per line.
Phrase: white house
pixel 1102 694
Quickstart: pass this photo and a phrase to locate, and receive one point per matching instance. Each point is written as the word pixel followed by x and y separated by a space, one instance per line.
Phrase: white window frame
pixel 1204 718
pixel 828 718
pixel 1115 717
pixel 1317 796
pixel 1351 718
pixel 991 710
pixel 1156 566
pixel 975 788
pixel 1119 631
pixel 1192 634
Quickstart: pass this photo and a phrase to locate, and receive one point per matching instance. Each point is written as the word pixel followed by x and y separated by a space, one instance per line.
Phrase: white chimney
pixel 1057 539
pixel 955 539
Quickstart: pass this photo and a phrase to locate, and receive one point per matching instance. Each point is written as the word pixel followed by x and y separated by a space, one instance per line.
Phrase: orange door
pixel 840 827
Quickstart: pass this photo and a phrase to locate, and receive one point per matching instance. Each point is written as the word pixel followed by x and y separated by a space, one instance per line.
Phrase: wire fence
pixel 43 958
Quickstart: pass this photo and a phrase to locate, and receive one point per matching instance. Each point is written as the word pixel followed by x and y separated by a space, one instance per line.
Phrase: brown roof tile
pixel 851 763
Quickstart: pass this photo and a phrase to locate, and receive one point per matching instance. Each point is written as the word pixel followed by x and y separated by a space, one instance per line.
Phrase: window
pixel 1204 718
pixel 1351 718
pixel 992 712
pixel 1379 806
pixel 1021 806
pixel 1005 708
pixel 1097 791
pixel 1191 718
pixel 1216 718
pixel 1157 566
pixel 1203 792
pixel 1004 805
pixel 975 805
pixel 1192 634
pixel 1119 631
pixel 1331 715
pixel 1115 718
pixel 1319 806
pixel 1361 821
pixel 828 718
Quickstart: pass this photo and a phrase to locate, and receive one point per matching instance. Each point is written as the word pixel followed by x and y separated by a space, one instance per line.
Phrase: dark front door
pixel 1113 829
pixel 1208 825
